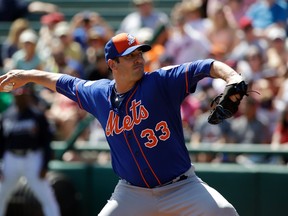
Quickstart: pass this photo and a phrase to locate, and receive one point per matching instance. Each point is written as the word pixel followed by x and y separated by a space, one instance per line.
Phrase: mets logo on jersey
pixel 138 114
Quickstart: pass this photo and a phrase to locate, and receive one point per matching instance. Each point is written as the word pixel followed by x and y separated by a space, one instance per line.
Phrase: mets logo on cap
pixel 123 44
pixel 131 39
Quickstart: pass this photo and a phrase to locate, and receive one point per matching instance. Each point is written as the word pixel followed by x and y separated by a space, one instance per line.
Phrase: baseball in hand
pixel 9 87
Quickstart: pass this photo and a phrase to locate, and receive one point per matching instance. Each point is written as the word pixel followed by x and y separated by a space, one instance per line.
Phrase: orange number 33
pixel 152 138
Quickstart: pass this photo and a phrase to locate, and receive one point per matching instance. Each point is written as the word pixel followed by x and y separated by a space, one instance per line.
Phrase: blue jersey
pixel 145 132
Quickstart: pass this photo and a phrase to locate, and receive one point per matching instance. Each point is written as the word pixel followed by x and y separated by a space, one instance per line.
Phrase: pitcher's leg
pixel 192 197
pixel 129 201
pixel 220 206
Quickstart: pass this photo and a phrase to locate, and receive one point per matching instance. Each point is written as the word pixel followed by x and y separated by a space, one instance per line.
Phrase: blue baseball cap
pixel 123 44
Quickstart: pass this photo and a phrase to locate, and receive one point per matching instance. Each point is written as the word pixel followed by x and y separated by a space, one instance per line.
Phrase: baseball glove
pixel 225 107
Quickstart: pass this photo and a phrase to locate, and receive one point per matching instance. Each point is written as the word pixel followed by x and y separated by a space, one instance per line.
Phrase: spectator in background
pixel 235 8
pixel 254 66
pixel 11 43
pixel 277 53
pixel 265 13
pixel 193 15
pixel 27 57
pixel 248 36
pixel 11 10
pixel 144 16
pixel 82 22
pixel 222 30
pixel 249 128
pixel 203 132
pixel 184 43
pixel 72 49
pixel 61 63
pixel 238 8
pixel 46 33
pixel 25 137
pixel 267 110
pixel 51 19
pixel 96 41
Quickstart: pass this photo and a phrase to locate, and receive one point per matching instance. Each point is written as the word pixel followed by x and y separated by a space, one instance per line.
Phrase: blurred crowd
pixel 248 35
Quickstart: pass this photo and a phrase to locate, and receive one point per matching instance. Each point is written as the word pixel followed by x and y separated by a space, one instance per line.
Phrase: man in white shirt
pixel 144 16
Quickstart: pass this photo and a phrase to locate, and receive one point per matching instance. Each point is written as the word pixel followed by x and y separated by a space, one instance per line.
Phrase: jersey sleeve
pixel 89 95
pixel 197 70
pixel 180 80
pixel 66 85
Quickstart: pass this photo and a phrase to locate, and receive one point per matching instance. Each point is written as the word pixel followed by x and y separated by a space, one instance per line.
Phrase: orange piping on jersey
pixel 186 79
pixel 139 142
pixel 141 173
pixel 159 182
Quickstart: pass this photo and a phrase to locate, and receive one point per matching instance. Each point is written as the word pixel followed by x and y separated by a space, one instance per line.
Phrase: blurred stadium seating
pixel 113 11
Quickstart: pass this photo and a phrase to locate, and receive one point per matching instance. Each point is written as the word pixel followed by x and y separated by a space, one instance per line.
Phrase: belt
pixel 178 179
pixel 182 177
pixel 19 152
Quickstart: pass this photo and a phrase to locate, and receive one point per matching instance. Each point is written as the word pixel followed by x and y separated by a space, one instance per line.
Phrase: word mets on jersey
pixel 139 113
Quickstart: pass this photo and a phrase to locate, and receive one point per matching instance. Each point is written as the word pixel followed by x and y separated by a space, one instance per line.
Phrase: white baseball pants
pixel 189 197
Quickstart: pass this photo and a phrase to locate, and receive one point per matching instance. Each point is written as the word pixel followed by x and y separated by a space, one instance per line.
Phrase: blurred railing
pixel 59 147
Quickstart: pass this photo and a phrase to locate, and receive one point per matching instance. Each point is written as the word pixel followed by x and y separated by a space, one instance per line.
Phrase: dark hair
pixel 115 59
